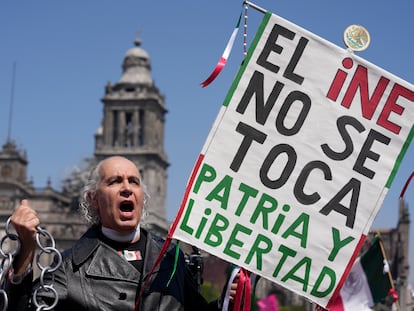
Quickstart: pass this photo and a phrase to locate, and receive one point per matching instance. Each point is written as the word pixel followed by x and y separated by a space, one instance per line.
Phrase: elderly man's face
pixel 119 197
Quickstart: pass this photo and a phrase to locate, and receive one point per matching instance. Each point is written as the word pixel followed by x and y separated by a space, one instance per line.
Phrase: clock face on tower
pixel 6 171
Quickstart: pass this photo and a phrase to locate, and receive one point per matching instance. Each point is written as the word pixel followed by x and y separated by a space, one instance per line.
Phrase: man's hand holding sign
pixel 298 161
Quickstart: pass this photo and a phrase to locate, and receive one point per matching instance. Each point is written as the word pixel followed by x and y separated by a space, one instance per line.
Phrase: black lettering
pixel 271 46
pixel 270 159
pixel 290 99
pixel 341 123
pixel 255 87
pixel 353 185
pixel 366 152
pixel 300 195
pixel 289 74
pixel 250 135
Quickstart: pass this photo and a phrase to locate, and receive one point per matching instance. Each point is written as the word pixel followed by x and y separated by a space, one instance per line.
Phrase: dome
pixel 137 51
pixel 136 66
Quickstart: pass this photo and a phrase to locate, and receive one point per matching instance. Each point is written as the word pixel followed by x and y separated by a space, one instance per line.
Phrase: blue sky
pixel 66 51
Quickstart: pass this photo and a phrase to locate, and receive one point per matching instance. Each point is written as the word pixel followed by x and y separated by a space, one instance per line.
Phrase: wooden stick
pixel 388 272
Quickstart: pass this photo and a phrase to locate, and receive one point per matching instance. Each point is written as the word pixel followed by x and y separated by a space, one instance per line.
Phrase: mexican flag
pixel 367 283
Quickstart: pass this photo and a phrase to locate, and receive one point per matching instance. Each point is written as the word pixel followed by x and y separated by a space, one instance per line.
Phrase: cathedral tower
pixel 13 176
pixel 133 126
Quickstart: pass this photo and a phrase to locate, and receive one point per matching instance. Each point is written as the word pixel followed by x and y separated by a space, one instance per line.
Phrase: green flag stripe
pixel 372 262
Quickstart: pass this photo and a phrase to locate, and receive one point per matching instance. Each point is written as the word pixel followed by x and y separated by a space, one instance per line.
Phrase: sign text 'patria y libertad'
pixel 298 161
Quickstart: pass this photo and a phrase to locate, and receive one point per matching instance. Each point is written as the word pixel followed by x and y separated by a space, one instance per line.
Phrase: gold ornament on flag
pixel 356 38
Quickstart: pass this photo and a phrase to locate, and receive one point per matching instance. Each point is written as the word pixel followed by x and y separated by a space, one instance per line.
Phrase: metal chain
pixel 9 251
pixel 9 247
pixel 47 271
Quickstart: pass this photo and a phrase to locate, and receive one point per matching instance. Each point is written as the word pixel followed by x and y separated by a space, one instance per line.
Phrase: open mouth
pixel 127 207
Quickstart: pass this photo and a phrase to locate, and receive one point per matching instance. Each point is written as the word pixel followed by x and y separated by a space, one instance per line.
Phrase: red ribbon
pixel 242 300
pixel 223 59
pixel 393 293
pixel 406 185
pixel 219 67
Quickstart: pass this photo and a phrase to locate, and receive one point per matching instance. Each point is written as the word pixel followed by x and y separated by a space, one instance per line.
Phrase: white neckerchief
pixel 116 236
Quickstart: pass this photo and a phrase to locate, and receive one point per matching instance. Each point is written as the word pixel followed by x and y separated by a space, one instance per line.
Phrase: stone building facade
pixel 53 207
pixel 132 126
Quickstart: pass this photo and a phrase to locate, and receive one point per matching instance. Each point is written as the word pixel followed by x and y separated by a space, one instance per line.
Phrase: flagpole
pixel 254 6
pixel 388 271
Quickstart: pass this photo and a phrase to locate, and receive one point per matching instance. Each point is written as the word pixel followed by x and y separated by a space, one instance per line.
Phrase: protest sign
pixel 298 161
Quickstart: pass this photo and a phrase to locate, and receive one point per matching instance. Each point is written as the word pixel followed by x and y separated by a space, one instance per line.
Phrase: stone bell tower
pixel 133 126
pixel 13 177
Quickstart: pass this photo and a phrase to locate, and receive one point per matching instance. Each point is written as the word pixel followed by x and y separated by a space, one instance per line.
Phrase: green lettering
pixel 302 220
pixel 264 210
pixel 280 219
pixel 259 251
pixel 234 241
pixel 337 243
pixel 183 225
pixel 207 173
pixel 219 224
pixel 203 223
pixel 306 262
pixel 223 186
pixel 248 192
pixel 332 277
pixel 286 251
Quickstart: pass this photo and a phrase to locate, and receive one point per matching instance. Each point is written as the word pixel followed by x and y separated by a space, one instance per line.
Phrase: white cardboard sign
pixel 298 161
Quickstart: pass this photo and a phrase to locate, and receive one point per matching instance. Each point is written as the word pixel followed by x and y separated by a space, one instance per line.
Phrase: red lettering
pixel 392 106
pixel 339 79
pixel 360 81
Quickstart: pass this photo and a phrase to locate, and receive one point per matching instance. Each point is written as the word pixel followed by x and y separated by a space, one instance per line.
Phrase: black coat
pixel 93 276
